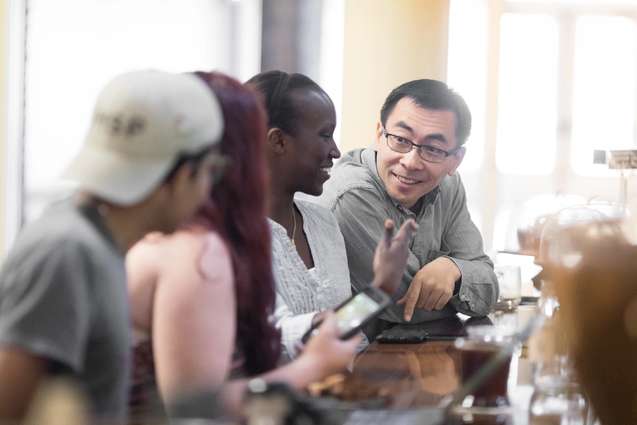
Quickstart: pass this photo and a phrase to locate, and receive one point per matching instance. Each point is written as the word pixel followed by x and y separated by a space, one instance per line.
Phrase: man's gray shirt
pixel 357 197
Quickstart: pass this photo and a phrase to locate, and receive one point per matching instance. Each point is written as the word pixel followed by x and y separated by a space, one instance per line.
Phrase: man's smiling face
pixel 408 177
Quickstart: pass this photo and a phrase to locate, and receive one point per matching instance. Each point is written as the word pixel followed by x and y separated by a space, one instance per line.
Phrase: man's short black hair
pixel 431 94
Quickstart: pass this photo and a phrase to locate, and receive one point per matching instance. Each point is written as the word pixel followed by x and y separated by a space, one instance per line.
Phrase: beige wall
pixel 4 66
pixel 387 42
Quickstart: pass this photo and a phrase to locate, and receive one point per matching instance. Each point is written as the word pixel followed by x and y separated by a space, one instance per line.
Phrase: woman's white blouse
pixel 301 293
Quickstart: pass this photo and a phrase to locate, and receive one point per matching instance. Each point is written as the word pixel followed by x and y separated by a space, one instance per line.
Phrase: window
pixel 604 88
pixel 527 111
pixel 467 70
pixel 547 81
pixel 75 46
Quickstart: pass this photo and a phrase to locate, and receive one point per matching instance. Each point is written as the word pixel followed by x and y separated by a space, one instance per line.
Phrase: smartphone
pixel 355 312
pixel 447 329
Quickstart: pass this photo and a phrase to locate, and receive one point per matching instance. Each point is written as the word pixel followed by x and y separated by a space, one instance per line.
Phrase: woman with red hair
pixel 202 298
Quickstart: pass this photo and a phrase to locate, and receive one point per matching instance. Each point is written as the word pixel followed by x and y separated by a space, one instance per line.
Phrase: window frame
pixel 493 191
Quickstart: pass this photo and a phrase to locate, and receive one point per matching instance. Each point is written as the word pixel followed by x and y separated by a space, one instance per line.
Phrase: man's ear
pixel 379 135
pixel 456 159
pixel 276 140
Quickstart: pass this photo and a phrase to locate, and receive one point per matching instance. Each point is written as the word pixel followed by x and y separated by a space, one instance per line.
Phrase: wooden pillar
pixel 291 34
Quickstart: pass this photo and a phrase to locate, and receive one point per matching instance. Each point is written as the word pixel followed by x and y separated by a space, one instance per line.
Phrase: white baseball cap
pixel 142 123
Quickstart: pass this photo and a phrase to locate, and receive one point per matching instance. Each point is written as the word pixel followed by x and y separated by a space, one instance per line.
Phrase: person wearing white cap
pixel 148 162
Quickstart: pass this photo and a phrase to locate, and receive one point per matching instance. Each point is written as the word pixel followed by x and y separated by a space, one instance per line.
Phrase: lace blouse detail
pixel 302 292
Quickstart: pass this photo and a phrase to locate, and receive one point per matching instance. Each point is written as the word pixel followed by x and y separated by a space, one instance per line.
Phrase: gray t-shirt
pixel 63 297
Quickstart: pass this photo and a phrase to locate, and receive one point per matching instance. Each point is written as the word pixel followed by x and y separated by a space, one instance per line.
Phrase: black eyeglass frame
pixel 420 148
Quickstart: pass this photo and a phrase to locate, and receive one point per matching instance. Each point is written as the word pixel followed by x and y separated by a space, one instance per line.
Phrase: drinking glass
pixel 557 398
pixel 510 284
pixel 482 344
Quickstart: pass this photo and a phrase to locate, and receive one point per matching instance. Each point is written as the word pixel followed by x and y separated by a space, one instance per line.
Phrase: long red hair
pixel 237 210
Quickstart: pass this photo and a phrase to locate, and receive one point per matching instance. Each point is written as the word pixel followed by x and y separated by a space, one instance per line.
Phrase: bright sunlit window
pixel 604 88
pixel 468 68
pixel 555 79
pixel 72 55
pixel 527 111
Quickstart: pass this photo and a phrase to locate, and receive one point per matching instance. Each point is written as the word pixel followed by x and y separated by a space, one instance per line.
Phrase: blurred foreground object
pixel 562 235
pixel 58 402
pixel 557 396
pixel 533 215
pixel 557 212
pixel 278 404
pixel 565 232
pixel 594 274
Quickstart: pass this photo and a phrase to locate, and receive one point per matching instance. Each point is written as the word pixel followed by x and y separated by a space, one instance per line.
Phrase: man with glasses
pixel 411 173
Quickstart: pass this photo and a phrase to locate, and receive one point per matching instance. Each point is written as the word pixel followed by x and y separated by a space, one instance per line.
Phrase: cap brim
pixel 117 178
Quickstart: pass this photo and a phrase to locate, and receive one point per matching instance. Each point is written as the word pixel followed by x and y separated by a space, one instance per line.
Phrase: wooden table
pixel 403 375
pixel 412 376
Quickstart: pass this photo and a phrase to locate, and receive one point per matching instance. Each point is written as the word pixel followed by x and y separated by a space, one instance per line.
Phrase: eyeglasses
pixel 427 152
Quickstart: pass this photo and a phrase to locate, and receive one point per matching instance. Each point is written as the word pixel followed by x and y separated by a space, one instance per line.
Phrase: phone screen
pixel 355 312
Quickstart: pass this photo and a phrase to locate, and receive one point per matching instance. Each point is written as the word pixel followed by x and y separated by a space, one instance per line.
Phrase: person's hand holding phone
pixel 391 255
pixel 327 351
